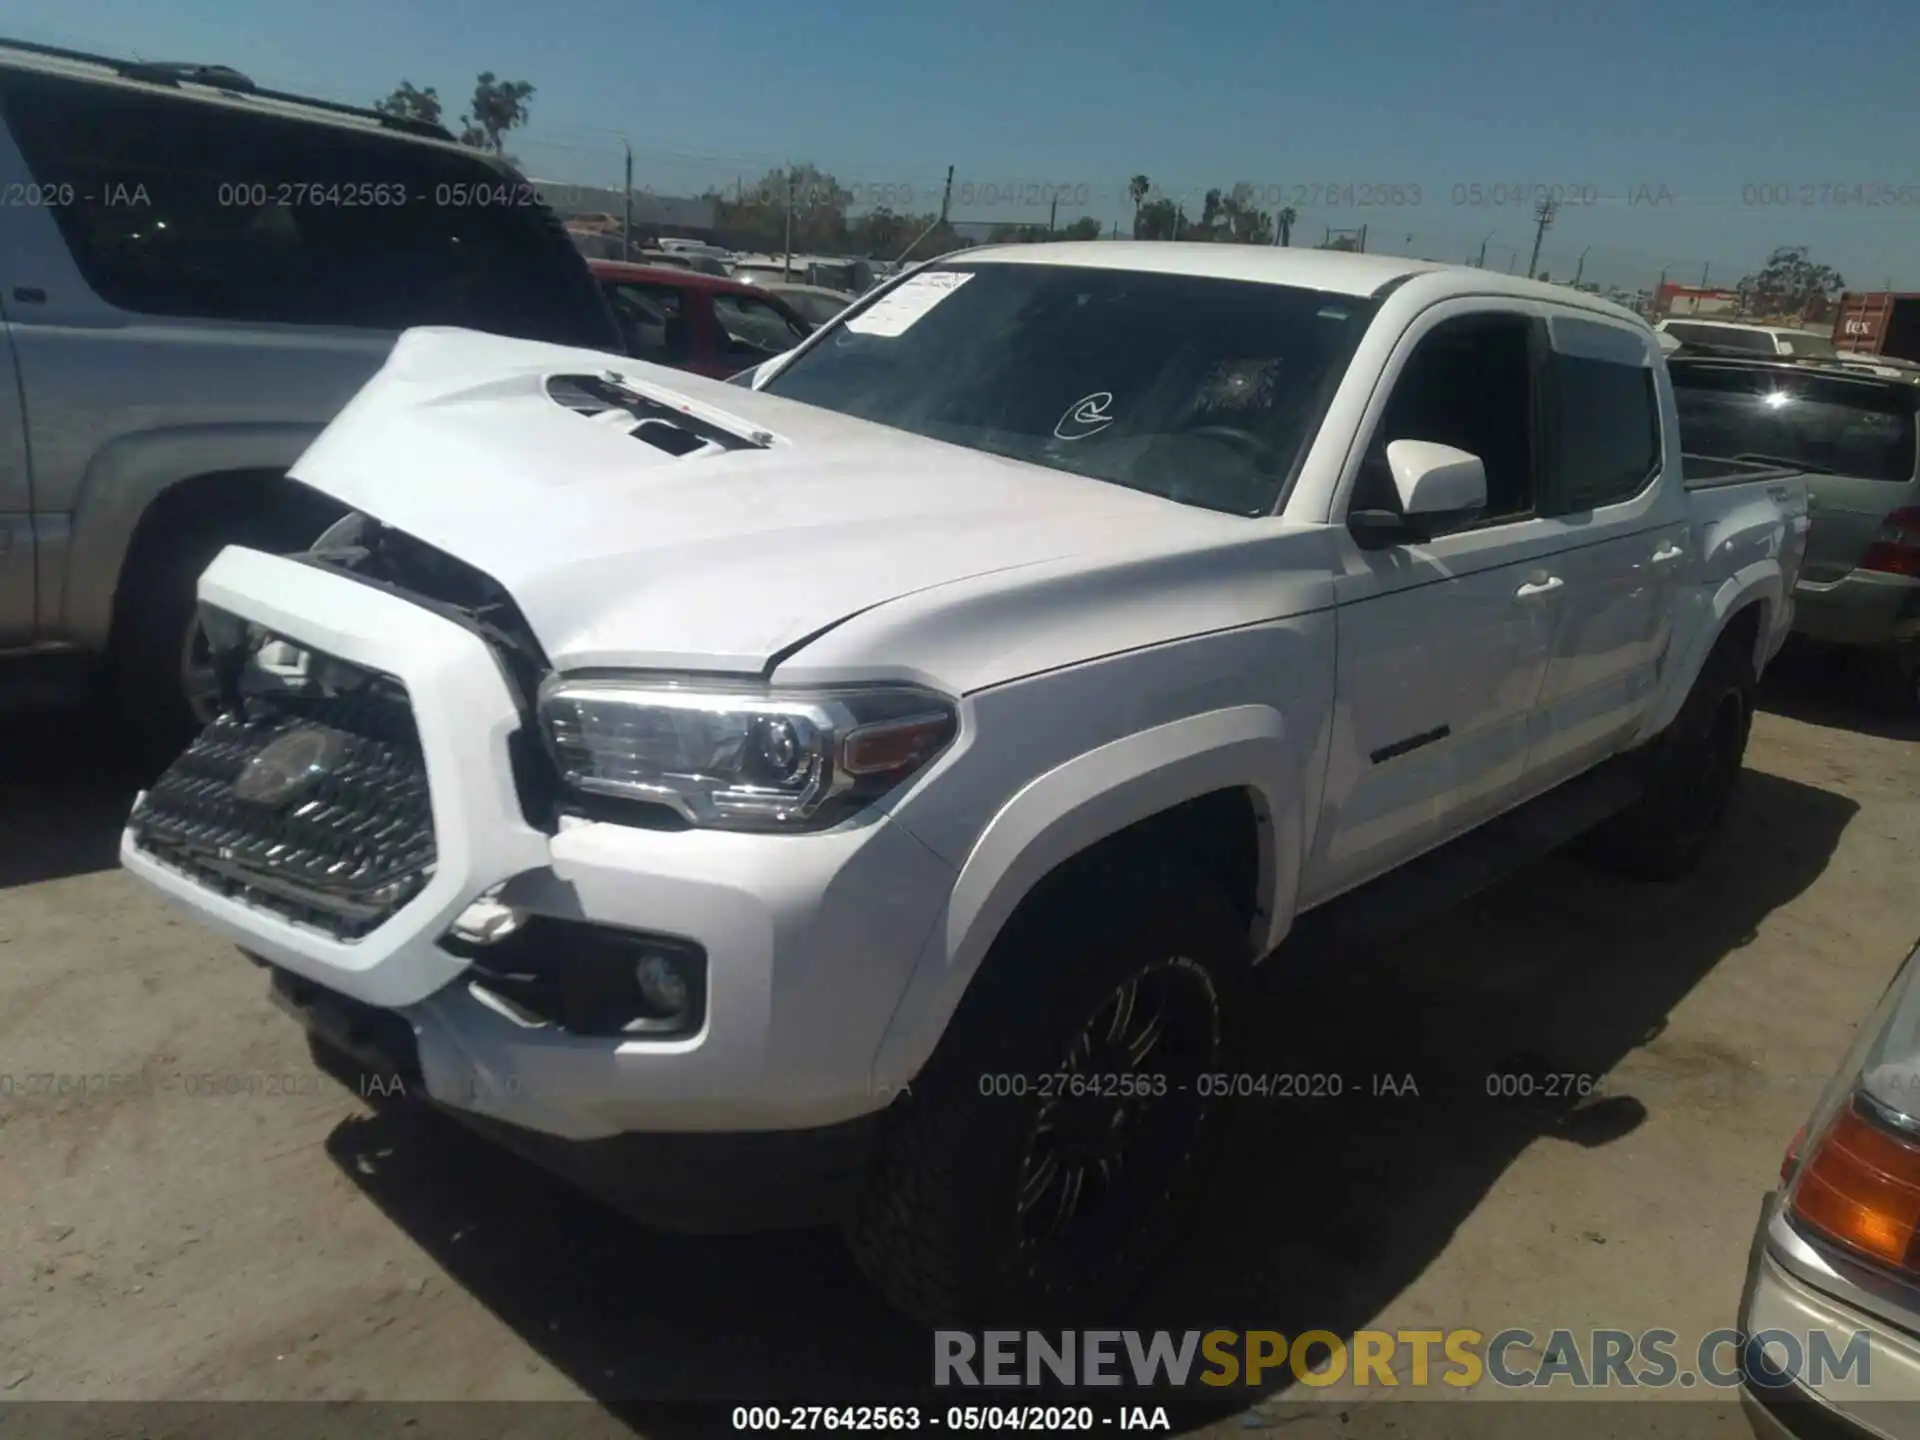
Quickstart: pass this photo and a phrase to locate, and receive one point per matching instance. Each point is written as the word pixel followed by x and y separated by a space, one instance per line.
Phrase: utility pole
pixel 1482 261
pixel 1363 239
pixel 1703 274
pixel 1581 268
pixel 786 268
pixel 946 199
pixel 1053 214
pixel 626 229
pixel 1543 217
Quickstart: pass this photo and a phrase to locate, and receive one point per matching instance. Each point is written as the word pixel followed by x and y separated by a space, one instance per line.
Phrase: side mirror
pixel 1434 483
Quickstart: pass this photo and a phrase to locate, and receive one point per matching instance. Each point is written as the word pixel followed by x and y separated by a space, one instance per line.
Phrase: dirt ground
pixel 234 1226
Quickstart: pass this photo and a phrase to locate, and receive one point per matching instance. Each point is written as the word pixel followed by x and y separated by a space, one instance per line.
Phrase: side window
pixel 1606 445
pixel 753 330
pixel 1468 384
pixel 653 319
pixel 188 208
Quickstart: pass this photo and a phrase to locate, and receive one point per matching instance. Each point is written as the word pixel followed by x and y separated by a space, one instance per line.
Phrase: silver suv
pixel 198 274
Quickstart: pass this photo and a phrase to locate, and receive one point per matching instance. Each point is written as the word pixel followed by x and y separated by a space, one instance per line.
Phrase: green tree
pixel 756 214
pixel 1232 217
pixel 1788 283
pixel 407 103
pixel 497 107
pixel 1155 220
pixel 1085 228
pixel 1139 187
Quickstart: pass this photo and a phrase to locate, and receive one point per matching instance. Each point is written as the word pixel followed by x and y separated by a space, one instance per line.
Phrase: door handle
pixel 1538 587
pixel 1667 554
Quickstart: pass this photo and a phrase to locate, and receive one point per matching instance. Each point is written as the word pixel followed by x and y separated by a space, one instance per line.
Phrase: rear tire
pixel 1056 1147
pixel 1691 772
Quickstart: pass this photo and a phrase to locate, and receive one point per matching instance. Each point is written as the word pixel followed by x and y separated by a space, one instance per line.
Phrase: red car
pixel 696 322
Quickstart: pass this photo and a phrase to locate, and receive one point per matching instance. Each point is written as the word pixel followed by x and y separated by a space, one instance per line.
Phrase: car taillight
pixel 1896 549
pixel 1791 1160
pixel 1860 1187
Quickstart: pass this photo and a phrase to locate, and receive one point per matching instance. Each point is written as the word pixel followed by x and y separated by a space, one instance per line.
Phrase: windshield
pixel 1846 427
pixel 1203 390
pixel 817 308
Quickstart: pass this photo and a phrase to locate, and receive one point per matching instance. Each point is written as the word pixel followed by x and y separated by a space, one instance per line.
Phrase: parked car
pixel 1755 339
pixel 690 321
pixel 1854 437
pixel 198 273
pixel 868 795
pixel 816 304
pixel 1837 1253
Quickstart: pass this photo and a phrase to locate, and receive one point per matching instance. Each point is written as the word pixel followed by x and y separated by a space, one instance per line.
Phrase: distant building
pixel 1695 300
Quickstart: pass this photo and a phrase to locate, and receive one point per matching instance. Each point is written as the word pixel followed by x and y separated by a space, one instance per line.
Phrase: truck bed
pixel 1706 472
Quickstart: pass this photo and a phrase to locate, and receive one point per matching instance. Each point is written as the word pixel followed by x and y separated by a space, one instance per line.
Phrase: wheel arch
pixel 1743 610
pixel 1223 788
pixel 141 489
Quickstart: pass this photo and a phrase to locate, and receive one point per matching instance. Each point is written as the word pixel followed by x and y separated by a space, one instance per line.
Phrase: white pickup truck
pixel 865 793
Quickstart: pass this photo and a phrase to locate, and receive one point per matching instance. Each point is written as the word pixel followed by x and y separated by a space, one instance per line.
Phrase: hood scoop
pixel 608 399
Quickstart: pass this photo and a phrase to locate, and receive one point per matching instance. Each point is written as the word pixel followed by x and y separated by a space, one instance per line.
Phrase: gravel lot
pixel 244 1229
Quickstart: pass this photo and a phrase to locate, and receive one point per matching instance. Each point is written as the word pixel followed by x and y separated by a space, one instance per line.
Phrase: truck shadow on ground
pixel 67 781
pixel 1835 690
pixel 1324 1210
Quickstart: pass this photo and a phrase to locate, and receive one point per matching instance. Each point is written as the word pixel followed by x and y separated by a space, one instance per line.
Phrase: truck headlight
pixel 745 757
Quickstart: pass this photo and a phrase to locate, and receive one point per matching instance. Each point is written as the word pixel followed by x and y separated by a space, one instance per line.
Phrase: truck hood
pixel 620 553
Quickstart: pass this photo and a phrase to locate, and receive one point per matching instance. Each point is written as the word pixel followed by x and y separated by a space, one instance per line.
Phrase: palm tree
pixel 1139 187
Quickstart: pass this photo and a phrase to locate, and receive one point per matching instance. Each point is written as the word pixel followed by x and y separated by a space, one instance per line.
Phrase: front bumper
pixel 810 939
pixel 1861 609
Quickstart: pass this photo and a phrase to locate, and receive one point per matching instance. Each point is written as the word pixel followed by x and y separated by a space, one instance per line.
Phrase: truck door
pixel 1442 645
pixel 17 558
pixel 1618 494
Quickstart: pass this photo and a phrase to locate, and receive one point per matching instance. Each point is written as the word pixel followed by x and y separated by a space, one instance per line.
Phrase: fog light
pixel 487 922
pixel 662 986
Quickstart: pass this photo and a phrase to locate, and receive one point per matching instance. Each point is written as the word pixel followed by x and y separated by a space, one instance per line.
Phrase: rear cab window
pixel 1606 441
pixel 191 208
pixel 1823 424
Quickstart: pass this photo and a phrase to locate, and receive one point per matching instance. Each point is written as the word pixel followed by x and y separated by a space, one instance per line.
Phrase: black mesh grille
pixel 346 847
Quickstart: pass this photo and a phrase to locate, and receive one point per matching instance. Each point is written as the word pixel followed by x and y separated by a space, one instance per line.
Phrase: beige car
pixel 1830 1318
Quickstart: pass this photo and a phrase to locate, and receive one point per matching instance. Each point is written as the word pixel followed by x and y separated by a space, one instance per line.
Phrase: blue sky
pixel 1688 107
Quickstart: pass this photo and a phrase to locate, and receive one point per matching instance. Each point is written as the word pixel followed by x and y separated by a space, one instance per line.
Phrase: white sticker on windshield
pixel 1086 417
pixel 900 308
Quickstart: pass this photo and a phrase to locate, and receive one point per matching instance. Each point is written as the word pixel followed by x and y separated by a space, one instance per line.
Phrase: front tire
pixel 1691 773
pixel 1057 1145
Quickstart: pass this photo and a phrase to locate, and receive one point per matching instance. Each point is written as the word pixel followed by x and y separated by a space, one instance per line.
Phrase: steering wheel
pixel 1245 441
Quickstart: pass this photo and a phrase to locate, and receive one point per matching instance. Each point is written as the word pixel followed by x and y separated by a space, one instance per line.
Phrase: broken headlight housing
pixel 741 757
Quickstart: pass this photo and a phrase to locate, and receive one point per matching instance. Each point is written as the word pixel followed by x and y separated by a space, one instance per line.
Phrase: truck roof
pixel 213 85
pixel 1340 271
